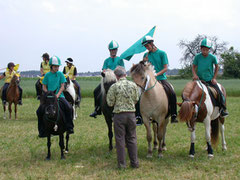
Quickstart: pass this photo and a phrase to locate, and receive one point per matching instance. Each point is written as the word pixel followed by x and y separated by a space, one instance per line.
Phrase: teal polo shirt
pixel 158 59
pixel 205 66
pixel 53 81
pixel 112 63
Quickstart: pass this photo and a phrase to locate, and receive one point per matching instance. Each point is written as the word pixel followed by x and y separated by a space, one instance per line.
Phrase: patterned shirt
pixel 123 95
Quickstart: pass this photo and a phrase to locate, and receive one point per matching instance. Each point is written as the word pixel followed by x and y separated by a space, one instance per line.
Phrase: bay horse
pixel 198 107
pixel 108 78
pixel 71 95
pixel 53 119
pixel 153 105
pixel 12 95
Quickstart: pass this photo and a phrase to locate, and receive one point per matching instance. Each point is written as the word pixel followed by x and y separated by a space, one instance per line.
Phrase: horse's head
pixel 50 104
pixel 140 72
pixel 68 82
pixel 15 79
pixel 193 97
pixel 108 78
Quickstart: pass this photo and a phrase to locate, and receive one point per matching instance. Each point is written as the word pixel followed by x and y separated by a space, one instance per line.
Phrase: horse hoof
pixel 47 158
pixel 63 157
pixel 160 155
pixel 224 148
pixel 4 117
pixel 210 156
pixel 164 148
pixel 66 152
pixel 191 156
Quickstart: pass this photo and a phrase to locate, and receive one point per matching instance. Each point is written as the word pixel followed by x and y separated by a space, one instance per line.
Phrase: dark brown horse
pixel 108 78
pixel 12 96
pixel 198 107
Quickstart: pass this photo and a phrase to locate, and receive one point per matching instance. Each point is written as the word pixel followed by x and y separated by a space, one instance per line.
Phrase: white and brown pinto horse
pixel 198 107
pixel 153 105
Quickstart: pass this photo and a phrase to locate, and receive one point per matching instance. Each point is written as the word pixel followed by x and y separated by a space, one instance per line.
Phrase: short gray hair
pixel 120 71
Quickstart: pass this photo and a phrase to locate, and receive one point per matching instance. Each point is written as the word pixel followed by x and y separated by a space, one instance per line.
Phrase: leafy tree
pixel 192 48
pixel 231 63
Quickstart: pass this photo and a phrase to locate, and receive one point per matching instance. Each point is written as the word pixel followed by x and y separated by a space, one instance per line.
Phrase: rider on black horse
pixel 54 81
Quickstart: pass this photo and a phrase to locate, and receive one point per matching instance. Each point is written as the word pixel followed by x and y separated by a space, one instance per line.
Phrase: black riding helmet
pixel 46 56
pixel 11 64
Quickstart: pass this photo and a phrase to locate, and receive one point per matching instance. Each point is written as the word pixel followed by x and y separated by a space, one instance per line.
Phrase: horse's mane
pixel 141 67
pixel 187 91
pixel 109 77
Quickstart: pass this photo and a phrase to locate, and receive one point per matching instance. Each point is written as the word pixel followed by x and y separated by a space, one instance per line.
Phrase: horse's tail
pixel 185 112
pixel 214 132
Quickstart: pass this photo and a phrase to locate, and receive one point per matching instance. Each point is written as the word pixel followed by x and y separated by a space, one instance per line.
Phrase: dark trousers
pixel 38 87
pixel 78 87
pixel 66 108
pixel 221 98
pixel 171 96
pixel 97 98
pixel 125 134
pixel 4 92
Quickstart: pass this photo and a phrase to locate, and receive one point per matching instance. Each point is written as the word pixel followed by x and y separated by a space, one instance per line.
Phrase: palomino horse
pixel 198 107
pixel 108 78
pixel 153 105
pixel 71 96
pixel 12 96
pixel 53 121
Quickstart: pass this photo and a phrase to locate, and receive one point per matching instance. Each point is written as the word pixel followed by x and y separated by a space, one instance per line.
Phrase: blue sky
pixel 82 29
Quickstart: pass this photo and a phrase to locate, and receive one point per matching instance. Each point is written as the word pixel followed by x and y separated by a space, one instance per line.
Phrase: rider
pixel 9 74
pixel 54 80
pixel 44 68
pixel 71 71
pixel 203 69
pixel 110 63
pixel 159 60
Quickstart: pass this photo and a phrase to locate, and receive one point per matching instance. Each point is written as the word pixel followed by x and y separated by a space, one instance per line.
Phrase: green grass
pixel 22 153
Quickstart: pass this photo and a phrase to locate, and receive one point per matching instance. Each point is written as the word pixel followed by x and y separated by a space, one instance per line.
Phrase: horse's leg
pixel 149 136
pixel 49 146
pixel 155 144
pixel 10 110
pixel 4 110
pixel 110 133
pixel 74 109
pixel 61 144
pixel 160 136
pixel 15 104
pixel 207 123
pixel 224 144
pixel 193 137
pixel 164 135
pixel 67 139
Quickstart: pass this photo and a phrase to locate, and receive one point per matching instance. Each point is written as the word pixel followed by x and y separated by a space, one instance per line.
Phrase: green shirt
pixel 112 63
pixel 123 95
pixel 158 59
pixel 53 81
pixel 205 66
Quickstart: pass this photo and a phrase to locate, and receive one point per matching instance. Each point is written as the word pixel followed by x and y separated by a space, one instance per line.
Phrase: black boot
pixel 139 120
pixel 174 118
pixel 94 114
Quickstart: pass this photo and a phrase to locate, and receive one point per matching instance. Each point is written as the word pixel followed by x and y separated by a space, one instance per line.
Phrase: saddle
pixel 214 95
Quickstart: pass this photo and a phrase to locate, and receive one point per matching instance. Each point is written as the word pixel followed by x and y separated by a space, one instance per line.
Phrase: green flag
pixel 137 47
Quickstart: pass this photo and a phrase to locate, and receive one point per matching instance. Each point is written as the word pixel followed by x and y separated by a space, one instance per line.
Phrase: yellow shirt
pixel 70 72
pixel 8 76
pixel 46 67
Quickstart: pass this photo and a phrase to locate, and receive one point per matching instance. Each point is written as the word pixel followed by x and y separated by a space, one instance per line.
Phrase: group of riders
pixel 204 68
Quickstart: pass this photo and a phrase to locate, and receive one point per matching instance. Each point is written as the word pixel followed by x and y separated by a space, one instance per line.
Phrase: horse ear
pixel 102 74
pixel 179 104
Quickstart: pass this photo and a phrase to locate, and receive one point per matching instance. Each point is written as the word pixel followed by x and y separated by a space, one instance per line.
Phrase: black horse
pixel 108 78
pixel 53 119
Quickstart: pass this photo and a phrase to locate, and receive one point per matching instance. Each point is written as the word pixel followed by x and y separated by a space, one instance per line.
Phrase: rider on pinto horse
pixel 203 69
pixel 10 72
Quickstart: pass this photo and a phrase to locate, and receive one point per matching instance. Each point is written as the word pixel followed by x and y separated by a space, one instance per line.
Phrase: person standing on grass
pixel 203 69
pixel 123 95
pixel 159 60
pixel 110 63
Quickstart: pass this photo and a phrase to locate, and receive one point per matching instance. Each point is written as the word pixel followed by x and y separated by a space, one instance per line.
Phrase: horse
pixel 53 121
pixel 108 78
pixel 12 96
pixel 153 105
pixel 71 96
pixel 198 107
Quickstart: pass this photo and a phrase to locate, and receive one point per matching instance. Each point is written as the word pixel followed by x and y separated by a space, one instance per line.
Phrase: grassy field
pixel 89 83
pixel 22 153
